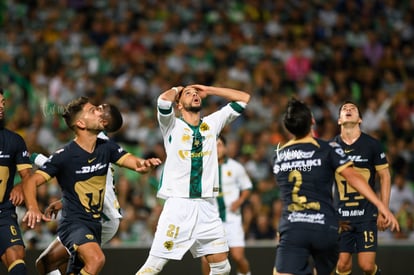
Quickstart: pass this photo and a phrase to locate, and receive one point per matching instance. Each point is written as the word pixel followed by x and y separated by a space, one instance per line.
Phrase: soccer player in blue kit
pixel 13 157
pixel 53 260
pixel 359 216
pixel 80 168
pixel 305 168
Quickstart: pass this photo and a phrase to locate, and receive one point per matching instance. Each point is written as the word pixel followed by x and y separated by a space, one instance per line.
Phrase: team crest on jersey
pixel 89 236
pixel 204 127
pixel 169 245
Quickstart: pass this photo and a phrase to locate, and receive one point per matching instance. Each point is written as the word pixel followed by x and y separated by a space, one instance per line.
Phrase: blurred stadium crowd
pixel 127 52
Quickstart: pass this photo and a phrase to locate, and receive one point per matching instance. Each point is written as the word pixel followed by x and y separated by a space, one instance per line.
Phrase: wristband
pixel 175 89
pixel 33 157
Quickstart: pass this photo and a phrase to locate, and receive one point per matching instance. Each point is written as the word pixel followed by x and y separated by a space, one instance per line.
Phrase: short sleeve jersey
pixel 111 208
pixel 82 177
pixel 304 171
pixel 233 180
pixel 368 157
pixel 13 157
pixel 191 167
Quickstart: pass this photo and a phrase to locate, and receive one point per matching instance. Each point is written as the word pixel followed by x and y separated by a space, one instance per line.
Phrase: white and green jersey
pixel 233 180
pixel 191 167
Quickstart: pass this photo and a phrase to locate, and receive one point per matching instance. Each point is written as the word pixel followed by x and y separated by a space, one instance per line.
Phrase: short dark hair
pixel 1 91
pixel 297 118
pixel 116 120
pixel 350 102
pixel 72 109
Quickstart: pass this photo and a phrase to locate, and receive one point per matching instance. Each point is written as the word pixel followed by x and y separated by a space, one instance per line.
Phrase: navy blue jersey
pixel 13 157
pixel 368 157
pixel 82 177
pixel 304 171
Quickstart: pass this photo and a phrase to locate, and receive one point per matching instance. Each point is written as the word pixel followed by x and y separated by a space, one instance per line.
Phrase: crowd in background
pixel 128 52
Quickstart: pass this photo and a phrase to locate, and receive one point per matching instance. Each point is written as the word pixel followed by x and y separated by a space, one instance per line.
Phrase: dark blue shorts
pixel 298 246
pixel 10 233
pixel 362 237
pixel 75 233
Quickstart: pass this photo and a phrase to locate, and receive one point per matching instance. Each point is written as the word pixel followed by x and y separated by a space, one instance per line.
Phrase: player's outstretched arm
pixel 357 181
pixel 33 214
pixel 140 165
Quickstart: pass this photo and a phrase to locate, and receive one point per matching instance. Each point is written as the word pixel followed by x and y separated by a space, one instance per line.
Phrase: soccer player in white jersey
pixel 235 187
pixel 53 260
pixel 190 179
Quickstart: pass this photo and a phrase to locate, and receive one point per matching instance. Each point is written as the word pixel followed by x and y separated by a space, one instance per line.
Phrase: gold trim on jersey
pixel 23 166
pixel 122 159
pixel 302 140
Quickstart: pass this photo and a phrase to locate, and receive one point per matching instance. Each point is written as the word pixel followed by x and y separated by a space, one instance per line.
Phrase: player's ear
pixel 80 124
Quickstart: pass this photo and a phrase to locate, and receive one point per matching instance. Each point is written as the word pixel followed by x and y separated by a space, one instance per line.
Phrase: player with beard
pixel 190 180
pixel 80 168
pixel 53 260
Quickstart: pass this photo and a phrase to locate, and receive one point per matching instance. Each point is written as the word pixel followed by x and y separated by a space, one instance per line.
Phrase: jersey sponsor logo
pixel 91 168
pixel 285 155
pixel 14 240
pixel 3 156
pixel 306 217
pixel 187 154
pixel 300 165
pixel 368 246
pixel 357 159
pixel 25 154
pixel 348 151
pixel 351 213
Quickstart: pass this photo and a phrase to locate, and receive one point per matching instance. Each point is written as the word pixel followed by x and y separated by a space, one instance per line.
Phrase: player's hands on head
pixel 201 90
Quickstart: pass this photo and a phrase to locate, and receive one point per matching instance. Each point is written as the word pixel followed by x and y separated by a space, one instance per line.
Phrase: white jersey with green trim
pixel 234 179
pixel 191 167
